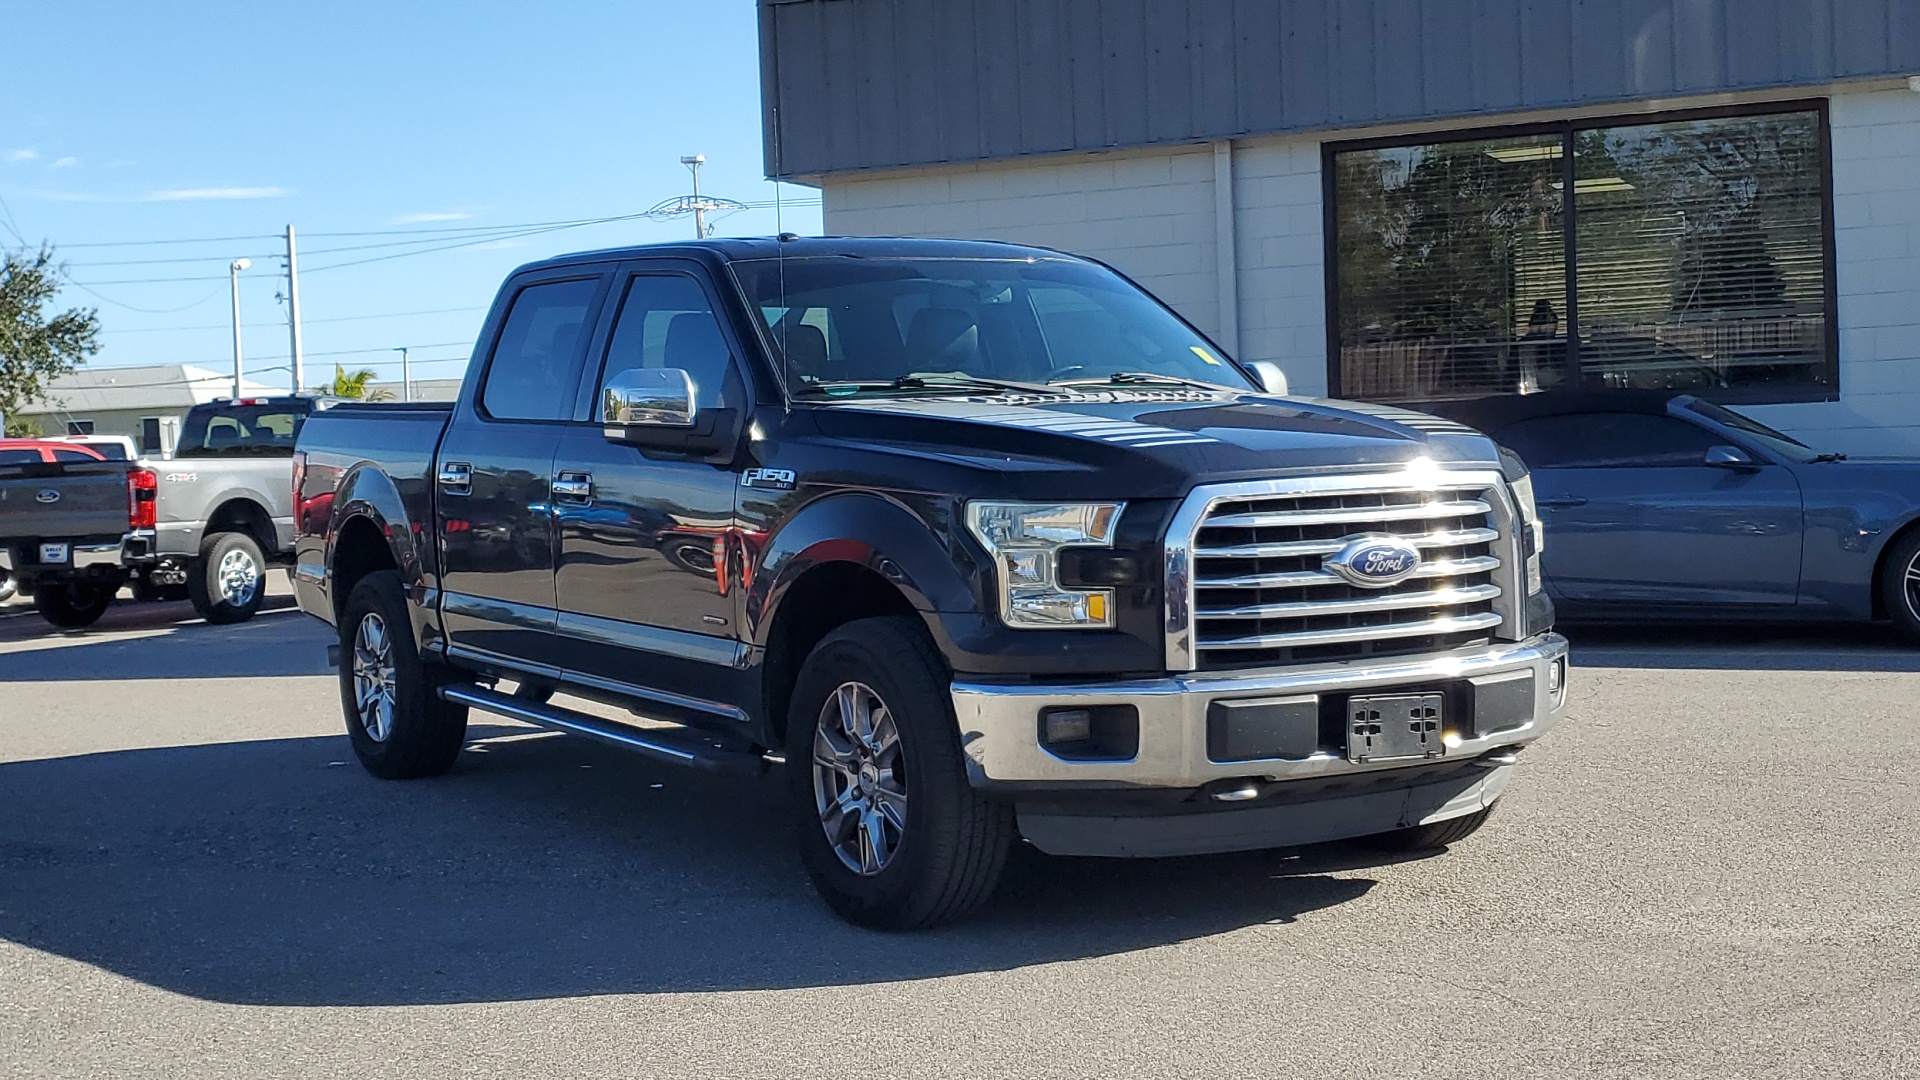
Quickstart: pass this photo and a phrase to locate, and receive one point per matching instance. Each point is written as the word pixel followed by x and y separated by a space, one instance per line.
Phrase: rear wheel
pixel 1427 837
pixel 1900 586
pixel 890 831
pixel 76 604
pixel 400 727
pixel 228 582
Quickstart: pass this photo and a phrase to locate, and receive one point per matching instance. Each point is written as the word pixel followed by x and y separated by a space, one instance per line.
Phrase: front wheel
pixel 891 833
pixel 228 582
pixel 1900 586
pixel 400 727
pixel 74 605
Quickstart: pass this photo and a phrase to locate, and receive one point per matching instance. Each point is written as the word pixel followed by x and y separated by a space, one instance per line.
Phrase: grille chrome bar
pixel 1246 584
pixel 1478 564
pixel 1464 594
pixel 1446 539
pixel 1414 512
pixel 1451 625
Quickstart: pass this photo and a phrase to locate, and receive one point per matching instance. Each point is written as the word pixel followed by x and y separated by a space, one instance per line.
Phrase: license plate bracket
pixel 1391 727
pixel 54 554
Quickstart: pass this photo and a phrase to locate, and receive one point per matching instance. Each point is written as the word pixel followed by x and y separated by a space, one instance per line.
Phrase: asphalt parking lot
pixel 1709 870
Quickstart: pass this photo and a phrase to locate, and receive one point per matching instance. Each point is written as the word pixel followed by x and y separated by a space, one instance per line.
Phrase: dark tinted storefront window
pixel 1697 262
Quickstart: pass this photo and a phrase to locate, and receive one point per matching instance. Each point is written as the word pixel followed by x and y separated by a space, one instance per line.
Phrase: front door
pixel 1634 515
pixel 644 575
pixel 493 484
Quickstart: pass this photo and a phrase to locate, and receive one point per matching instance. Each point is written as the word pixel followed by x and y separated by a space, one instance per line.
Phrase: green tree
pixel 37 346
pixel 354 385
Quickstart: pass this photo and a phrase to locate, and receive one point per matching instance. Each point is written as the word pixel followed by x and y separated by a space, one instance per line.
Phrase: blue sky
pixel 125 124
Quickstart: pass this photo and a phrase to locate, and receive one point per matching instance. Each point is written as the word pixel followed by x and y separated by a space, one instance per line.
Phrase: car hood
pixel 1146 442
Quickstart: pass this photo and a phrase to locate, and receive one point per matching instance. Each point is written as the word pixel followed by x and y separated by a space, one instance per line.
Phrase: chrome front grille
pixel 1249 587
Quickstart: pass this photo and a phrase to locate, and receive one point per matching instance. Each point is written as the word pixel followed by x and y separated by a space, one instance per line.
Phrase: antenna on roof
pixel 696 204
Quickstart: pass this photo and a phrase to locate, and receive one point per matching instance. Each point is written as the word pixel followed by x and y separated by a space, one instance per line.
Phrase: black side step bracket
pixel 675 747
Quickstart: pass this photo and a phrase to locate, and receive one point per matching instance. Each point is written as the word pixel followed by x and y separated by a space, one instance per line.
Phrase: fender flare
pixel 865 529
pixel 366 491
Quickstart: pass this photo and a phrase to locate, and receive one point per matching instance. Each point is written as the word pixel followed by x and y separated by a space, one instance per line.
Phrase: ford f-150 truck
pixel 976 542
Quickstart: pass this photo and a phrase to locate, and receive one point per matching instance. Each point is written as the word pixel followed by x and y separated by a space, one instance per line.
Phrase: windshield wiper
pixel 931 381
pixel 1142 378
pixel 1822 459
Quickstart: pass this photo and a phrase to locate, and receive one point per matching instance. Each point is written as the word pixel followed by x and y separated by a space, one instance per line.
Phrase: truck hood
pixel 1153 441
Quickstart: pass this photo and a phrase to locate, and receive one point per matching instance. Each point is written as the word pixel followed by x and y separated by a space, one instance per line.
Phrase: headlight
pixel 1534 534
pixel 1026 540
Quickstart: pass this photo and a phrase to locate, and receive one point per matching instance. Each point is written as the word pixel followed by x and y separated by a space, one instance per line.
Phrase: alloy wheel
pixel 1912 587
pixel 373 677
pixel 859 779
pixel 239 578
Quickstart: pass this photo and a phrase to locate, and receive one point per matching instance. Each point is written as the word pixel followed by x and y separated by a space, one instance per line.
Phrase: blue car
pixel 1670 506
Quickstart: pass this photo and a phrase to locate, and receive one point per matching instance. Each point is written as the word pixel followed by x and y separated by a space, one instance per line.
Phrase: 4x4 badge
pixel 781 479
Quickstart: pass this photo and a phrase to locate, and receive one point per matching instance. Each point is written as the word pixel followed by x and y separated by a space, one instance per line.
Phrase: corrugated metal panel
pixel 860 84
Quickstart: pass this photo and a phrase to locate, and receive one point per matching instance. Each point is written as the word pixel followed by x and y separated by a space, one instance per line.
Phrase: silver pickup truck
pixel 204 525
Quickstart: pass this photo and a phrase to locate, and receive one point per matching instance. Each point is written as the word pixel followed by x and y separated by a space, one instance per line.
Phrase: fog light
pixel 1067 725
pixel 1557 683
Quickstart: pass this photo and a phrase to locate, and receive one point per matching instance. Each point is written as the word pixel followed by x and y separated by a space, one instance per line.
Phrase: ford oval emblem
pixel 47 496
pixel 1375 562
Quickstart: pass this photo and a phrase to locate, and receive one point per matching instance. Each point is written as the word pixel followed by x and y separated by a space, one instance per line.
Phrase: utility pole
pixel 293 315
pixel 233 278
pixel 693 162
pixel 406 374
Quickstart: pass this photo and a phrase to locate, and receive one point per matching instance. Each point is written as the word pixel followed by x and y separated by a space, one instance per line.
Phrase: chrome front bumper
pixel 1000 724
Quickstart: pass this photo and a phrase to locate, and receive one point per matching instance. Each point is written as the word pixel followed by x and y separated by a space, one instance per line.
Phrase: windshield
pixel 1785 445
pixel 855 326
pixel 242 430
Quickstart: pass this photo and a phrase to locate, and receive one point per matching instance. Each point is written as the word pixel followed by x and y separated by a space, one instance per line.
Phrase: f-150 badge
pixel 779 479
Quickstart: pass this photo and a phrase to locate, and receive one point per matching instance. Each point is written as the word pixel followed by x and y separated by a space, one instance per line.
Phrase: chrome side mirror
pixel 1729 457
pixel 653 397
pixel 1272 379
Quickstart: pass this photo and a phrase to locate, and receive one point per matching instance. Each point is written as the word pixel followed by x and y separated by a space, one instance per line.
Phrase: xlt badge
pixel 780 479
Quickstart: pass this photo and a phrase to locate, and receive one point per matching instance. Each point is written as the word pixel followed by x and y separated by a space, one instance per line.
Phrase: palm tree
pixel 354 385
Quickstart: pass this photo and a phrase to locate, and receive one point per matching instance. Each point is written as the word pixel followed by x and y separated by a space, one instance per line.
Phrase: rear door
pixel 493 498
pixel 1634 515
pixel 644 537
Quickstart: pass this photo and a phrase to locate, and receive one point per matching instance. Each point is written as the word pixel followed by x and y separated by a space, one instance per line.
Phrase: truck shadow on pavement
pixel 277 872
pixel 165 641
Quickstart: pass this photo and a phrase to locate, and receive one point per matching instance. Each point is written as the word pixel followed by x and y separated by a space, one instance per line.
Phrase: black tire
pixel 950 844
pixel 216 598
pixel 1429 837
pixel 74 605
pixel 1899 586
pixel 423 733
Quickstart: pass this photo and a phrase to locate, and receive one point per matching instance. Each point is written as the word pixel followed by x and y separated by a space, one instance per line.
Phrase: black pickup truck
pixel 977 542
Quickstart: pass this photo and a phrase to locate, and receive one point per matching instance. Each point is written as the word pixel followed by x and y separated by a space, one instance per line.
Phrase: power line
pixel 282 322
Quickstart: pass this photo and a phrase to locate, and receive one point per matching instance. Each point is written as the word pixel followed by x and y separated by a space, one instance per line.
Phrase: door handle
pixel 573 485
pixel 456 478
pixel 1559 504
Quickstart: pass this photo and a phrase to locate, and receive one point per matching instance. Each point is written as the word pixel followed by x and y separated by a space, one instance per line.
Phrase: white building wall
pixel 1153 215
pixel 1876 217
pixel 1150 214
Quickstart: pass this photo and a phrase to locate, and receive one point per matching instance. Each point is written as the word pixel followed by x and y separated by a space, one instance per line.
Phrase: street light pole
pixel 233 278
pixel 693 162
pixel 406 374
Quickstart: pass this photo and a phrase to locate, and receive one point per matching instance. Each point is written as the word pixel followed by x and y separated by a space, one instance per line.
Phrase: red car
pixel 28 451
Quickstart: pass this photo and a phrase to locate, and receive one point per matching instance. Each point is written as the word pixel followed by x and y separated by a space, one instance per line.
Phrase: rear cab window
pixel 243 429
pixel 531 373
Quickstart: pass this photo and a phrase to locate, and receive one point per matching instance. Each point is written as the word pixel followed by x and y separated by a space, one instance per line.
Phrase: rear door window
pixel 1607 441
pixel 531 374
